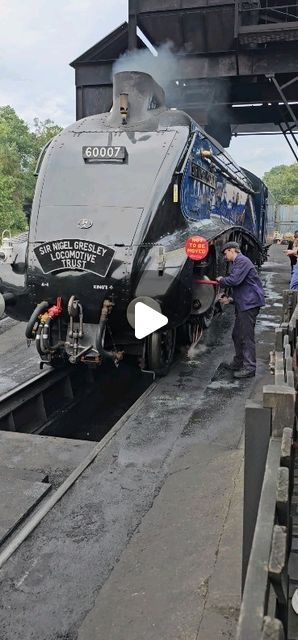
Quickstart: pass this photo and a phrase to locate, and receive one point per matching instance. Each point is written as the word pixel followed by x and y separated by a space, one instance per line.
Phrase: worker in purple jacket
pixel 248 296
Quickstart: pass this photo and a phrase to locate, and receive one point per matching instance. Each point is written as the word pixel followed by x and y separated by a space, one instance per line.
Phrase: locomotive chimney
pixel 124 107
pixel 136 98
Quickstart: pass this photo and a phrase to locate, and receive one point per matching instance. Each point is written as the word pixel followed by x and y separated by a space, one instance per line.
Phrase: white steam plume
pixel 162 67
pixel 209 96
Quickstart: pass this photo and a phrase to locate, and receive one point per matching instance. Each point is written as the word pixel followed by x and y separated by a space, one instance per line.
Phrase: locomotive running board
pixel 37 403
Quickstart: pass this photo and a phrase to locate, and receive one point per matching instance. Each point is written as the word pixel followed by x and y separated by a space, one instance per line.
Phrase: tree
pixel 42 133
pixel 15 153
pixel 282 181
pixel 19 151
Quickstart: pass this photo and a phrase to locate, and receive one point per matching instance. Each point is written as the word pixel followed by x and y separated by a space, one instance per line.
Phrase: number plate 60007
pixel 104 154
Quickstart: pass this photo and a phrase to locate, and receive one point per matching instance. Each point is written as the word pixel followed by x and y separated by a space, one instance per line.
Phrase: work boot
pixel 244 373
pixel 231 366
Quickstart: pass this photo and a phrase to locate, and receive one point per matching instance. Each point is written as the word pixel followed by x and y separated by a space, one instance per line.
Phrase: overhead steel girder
pixel 224 65
pixel 176 6
pixel 228 91
pixel 100 100
pixel 94 73
pixel 211 69
pixel 241 115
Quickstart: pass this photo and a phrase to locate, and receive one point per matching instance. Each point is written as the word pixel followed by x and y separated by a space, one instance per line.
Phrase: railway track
pixel 37 516
pixel 35 405
pixel 46 404
pixel 60 402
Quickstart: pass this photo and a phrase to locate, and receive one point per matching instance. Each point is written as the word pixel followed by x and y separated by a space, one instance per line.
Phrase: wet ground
pixel 147 545
pixel 18 362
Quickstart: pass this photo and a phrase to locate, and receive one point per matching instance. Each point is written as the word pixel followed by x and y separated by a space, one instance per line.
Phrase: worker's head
pixel 231 251
pixel 295 234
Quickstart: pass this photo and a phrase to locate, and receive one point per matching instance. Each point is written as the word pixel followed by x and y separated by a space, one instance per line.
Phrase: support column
pixel 132 25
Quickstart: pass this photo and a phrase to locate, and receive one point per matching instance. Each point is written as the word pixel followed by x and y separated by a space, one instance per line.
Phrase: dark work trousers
pixel 244 338
pixel 293 261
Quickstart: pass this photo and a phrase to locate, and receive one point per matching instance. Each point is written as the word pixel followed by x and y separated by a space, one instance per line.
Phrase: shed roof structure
pixel 236 63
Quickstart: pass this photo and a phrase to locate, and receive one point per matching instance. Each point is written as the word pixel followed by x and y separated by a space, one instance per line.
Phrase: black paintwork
pixel 125 207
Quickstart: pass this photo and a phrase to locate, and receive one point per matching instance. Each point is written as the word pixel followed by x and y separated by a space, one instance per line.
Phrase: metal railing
pixel 260 13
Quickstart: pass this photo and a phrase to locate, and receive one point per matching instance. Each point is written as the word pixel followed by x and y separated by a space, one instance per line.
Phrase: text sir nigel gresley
pixel 78 250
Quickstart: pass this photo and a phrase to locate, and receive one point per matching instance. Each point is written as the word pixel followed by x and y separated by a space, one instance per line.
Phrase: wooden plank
pixel 254 598
pixel 286 447
pixel 282 496
pixel 256 441
pixel 278 339
pixel 281 399
pixel 287 349
pixel 272 629
pixel 290 379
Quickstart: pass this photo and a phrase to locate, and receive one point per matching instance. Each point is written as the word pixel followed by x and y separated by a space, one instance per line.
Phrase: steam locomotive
pixel 117 197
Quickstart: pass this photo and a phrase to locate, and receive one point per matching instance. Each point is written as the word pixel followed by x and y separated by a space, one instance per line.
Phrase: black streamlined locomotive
pixel 117 197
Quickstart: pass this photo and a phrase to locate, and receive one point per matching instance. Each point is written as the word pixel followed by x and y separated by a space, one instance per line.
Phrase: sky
pixel 40 38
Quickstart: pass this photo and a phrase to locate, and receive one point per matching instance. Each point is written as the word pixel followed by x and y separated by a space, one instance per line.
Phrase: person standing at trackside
pixel 294 277
pixel 293 244
pixel 248 296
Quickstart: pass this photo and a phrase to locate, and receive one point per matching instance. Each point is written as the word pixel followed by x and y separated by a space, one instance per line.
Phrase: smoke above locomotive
pixel 117 197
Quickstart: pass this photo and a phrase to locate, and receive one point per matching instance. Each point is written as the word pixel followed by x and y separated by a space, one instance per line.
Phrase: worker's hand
pixel 219 278
pixel 291 252
pixel 225 299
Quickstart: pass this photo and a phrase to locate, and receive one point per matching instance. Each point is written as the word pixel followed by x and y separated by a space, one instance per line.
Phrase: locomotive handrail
pixel 213 282
pixel 234 177
pixel 188 152
pixel 41 156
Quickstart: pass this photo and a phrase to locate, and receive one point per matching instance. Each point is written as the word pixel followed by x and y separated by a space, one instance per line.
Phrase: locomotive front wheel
pixel 206 318
pixel 160 351
pixel 186 333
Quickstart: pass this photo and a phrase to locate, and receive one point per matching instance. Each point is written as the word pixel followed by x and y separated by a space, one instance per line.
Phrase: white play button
pixel 147 320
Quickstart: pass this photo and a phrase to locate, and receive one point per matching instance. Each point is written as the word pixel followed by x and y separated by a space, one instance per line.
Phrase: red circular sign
pixel 197 247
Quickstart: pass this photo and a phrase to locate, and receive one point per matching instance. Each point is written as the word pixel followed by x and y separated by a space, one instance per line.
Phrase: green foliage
pixel 19 151
pixel 282 181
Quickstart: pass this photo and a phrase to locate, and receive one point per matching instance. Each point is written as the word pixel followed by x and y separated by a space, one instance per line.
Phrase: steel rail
pixel 50 502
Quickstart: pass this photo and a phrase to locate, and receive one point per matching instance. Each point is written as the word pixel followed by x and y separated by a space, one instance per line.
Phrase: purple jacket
pixel 294 279
pixel 247 287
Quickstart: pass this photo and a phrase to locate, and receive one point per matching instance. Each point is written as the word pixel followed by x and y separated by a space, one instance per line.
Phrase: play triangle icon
pixel 147 320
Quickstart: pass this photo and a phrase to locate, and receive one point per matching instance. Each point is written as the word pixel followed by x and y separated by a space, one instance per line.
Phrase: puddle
pixel 264 316
pixel 266 323
pixel 223 384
